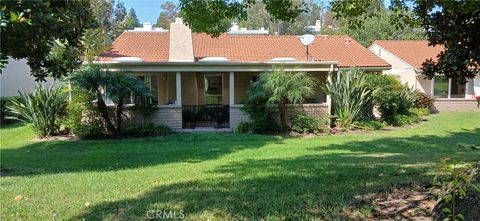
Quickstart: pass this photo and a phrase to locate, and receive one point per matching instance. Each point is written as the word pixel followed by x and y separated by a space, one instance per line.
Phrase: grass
pixel 222 176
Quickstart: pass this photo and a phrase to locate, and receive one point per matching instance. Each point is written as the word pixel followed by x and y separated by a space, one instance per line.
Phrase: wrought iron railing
pixel 217 116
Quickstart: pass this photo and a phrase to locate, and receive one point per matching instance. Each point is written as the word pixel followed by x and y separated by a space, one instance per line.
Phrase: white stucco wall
pixel 404 72
pixel 16 76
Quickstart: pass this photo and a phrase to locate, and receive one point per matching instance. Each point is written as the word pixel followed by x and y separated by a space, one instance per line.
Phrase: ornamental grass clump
pixel 43 108
pixel 350 97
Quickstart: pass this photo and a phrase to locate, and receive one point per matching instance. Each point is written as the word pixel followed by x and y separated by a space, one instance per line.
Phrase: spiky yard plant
pixel 349 95
pixel 43 108
pixel 287 87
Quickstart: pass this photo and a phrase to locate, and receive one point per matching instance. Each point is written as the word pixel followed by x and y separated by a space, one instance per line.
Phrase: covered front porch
pixel 199 96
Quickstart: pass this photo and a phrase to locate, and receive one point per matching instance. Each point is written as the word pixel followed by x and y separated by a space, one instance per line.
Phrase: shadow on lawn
pixel 105 155
pixel 307 187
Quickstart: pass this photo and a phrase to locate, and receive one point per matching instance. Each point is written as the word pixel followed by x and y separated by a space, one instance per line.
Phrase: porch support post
pixel 231 95
pixel 329 98
pixel 178 85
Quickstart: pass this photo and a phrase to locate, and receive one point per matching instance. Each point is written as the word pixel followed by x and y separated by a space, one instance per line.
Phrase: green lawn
pixel 222 176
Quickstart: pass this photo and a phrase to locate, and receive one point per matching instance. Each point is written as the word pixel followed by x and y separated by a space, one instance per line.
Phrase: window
pixel 440 87
pixel 448 88
pixel 458 89
pixel 152 83
pixel 213 89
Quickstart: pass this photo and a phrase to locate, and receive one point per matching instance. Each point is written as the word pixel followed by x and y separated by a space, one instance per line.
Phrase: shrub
pixel 370 124
pixel 82 117
pixel 303 123
pixel 287 87
pixel 138 130
pixel 420 112
pixel 459 195
pixel 146 108
pixel 399 120
pixel 350 97
pixel 391 97
pixel 43 107
pixel 256 106
pixel 423 100
pixel 245 128
pixel 387 92
pixel 5 114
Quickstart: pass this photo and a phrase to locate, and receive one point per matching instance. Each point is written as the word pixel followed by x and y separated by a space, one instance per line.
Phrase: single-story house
pixel 200 80
pixel 406 58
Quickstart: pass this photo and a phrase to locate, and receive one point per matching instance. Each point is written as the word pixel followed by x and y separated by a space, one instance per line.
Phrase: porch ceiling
pixel 218 67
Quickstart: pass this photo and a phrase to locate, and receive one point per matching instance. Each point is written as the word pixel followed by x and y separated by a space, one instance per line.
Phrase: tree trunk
pixel 118 114
pixel 102 107
pixel 283 114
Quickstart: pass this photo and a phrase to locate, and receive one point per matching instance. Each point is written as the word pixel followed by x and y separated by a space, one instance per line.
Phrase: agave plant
pixel 43 108
pixel 350 96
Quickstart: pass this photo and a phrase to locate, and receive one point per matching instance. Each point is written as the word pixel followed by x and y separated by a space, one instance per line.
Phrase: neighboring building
pixel 406 58
pixel 16 77
pixel 200 80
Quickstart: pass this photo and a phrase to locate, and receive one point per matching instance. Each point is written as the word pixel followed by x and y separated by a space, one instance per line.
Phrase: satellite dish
pixel 307 39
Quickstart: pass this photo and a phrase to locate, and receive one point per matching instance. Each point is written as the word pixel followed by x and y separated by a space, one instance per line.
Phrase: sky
pixel 148 10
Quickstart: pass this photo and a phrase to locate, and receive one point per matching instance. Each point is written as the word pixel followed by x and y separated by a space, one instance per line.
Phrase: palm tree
pixel 114 85
pixel 287 87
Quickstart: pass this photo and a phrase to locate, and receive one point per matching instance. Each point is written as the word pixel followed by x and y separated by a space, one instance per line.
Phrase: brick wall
pixel 319 110
pixel 170 116
pixel 444 105
pixel 237 116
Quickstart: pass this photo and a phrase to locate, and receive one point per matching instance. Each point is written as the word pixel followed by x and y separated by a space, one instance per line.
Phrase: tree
pixel 286 87
pixel 114 85
pixel 120 11
pixel 214 17
pixel 452 24
pixel 377 27
pixel 168 14
pixel 103 13
pixel 46 33
pixel 94 42
pixel 131 21
pixel 128 23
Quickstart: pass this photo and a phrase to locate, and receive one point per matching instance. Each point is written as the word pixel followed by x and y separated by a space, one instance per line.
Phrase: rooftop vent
pixel 147 26
pixel 128 59
pixel 236 30
pixel 214 60
pixel 283 60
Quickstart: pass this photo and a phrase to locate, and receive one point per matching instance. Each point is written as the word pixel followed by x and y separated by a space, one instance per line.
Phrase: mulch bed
pixel 410 203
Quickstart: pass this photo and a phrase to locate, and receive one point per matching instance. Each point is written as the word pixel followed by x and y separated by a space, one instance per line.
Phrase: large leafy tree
pixel 452 24
pixel 377 27
pixel 168 14
pixel 103 13
pixel 287 88
pixel 214 16
pixel 46 33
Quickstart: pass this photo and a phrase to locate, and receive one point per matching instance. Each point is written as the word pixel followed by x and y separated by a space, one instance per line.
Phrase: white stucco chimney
pixel 181 46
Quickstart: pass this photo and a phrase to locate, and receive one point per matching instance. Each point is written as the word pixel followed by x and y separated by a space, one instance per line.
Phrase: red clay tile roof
pixel 149 46
pixel 412 52
pixel 153 46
